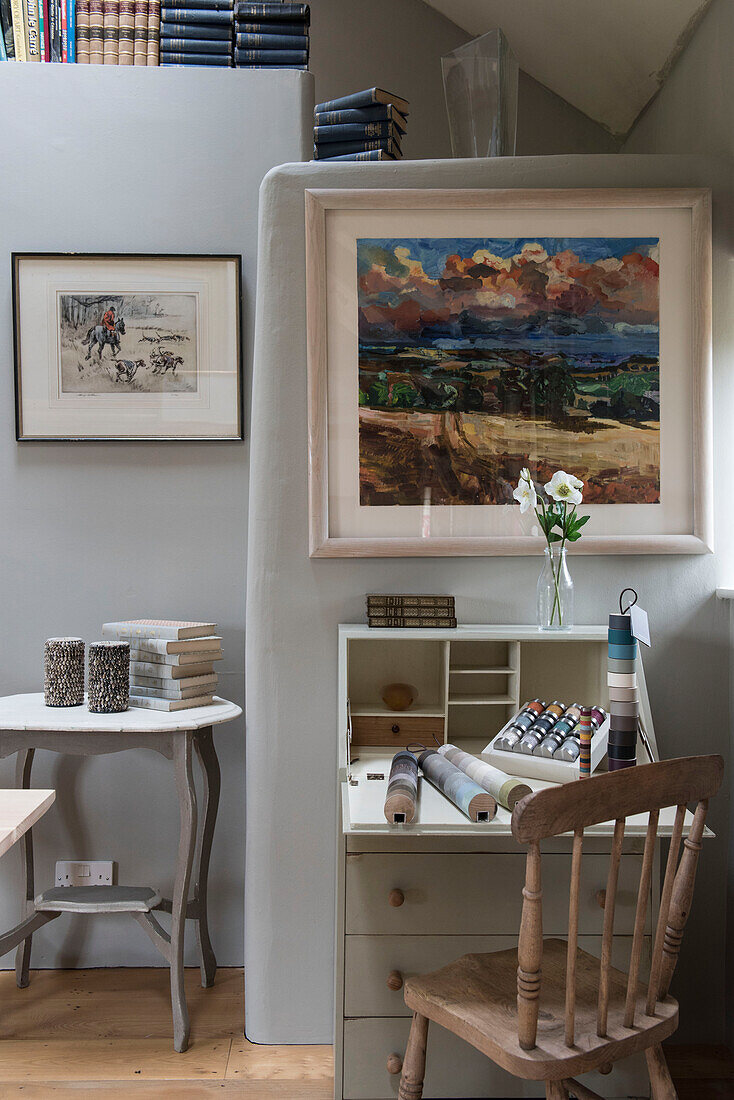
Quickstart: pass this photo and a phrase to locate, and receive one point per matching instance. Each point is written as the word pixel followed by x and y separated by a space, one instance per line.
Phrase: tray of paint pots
pixel 542 767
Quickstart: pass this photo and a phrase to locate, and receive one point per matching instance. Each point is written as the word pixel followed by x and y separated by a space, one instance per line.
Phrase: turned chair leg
pixel 555 1090
pixel 414 1062
pixel 661 1082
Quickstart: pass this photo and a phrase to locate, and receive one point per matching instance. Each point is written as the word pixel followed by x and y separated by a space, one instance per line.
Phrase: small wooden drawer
pixel 453 1068
pixel 375 965
pixel 477 894
pixel 397 729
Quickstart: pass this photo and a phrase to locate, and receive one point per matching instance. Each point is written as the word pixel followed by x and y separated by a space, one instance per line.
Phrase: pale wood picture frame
pixel 320 203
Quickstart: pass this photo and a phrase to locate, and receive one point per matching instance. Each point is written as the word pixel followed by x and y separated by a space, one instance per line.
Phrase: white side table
pixel 27 724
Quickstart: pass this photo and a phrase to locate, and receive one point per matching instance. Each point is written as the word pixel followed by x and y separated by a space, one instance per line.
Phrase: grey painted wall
pixel 397 45
pixel 92 160
pixel 694 113
pixel 295 604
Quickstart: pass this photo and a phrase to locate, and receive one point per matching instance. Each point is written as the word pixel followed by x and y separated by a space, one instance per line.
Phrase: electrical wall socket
pixel 90 872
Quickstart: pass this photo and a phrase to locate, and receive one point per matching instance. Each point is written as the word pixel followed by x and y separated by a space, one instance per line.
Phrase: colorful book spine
pixel 271 41
pixel 279 12
pixel 96 32
pixel 3 48
pixel 140 40
pixel 64 25
pixel 126 48
pixel 196 15
pixel 194 45
pixel 42 7
pixel 196 30
pixel 34 42
pixel 154 29
pixel 6 29
pixel 71 34
pixel 111 24
pixel 179 58
pixel 337 148
pixel 21 52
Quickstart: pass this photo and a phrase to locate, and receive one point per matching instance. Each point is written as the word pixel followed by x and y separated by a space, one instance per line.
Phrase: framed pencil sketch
pixel 456 337
pixel 127 347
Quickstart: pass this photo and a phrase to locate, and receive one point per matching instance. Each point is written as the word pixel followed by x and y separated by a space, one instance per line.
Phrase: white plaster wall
pixel 295 604
pixel 133 160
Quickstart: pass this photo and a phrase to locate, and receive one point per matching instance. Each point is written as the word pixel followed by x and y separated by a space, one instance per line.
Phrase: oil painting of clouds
pixel 480 356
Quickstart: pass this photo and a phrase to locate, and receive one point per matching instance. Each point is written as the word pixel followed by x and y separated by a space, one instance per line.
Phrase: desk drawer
pixel 454 1069
pixel 370 960
pixel 476 894
pixel 396 730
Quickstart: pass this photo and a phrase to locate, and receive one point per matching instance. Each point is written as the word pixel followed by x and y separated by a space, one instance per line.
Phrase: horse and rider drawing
pixel 116 336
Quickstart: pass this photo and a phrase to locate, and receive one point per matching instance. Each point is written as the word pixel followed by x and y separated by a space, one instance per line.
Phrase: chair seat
pixel 476 998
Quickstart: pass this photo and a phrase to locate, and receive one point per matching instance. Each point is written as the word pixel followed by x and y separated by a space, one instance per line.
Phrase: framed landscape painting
pixel 456 337
pixel 114 347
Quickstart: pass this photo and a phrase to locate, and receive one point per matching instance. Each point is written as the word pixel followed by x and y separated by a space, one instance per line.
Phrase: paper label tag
pixel 639 624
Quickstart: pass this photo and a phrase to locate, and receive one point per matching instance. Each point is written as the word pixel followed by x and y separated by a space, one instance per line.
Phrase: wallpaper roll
pixel 505 789
pixel 455 785
pixel 402 789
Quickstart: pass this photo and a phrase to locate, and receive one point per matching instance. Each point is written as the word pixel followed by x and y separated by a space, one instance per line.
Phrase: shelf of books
pixel 226 33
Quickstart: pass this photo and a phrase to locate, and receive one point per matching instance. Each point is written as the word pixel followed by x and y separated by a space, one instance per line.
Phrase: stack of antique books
pixel 196 32
pixel 410 610
pixel 271 35
pixel 171 662
pixel 368 125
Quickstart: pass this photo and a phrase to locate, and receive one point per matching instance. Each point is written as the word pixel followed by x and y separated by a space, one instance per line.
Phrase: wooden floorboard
pixel 78 1034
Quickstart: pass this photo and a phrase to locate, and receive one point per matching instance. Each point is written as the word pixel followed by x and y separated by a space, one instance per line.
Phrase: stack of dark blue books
pixel 271 36
pixel 368 125
pixel 197 32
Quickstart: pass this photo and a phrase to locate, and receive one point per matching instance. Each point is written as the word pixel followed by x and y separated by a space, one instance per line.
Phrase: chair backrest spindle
pixel 643 894
pixel 573 935
pixel 572 809
pixel 610 902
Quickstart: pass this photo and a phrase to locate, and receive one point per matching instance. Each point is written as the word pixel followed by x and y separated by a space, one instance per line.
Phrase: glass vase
pixel 480 81
pixel 554 603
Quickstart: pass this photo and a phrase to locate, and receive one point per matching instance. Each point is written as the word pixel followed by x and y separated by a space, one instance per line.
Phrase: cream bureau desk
pixel 412 898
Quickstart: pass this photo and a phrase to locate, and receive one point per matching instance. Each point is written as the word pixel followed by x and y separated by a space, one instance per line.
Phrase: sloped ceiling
pixel 606 57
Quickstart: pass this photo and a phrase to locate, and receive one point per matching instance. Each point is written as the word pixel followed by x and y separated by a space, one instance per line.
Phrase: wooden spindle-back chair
pixel 592 1014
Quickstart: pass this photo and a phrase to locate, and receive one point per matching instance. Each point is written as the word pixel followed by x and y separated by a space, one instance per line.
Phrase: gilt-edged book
pixel 412 623
pixel 207 16
pixel 176 660
pixel 140 42
pixel 277 13
pixel 205 683
pixel 338 148
pixel 408 599
pixel 194 45
pixel 170 672
pixel 178 57
pixel 366 98
pixel 271 41
pixel 196 30
pixel 165 629
pixel 272 57
pixel 380 112
pixel 209 5
pixel 371 154
pixel 152 702
pixel 355 131
pixel 296 29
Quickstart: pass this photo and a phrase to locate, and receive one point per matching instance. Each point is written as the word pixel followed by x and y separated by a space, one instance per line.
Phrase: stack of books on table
pixel 425 612
pixel 367 125
pixel 197 32
pixel 271 36
pixel 171 662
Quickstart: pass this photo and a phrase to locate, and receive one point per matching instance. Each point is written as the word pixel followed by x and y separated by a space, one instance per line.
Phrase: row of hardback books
pixel 103 32
pixel 171 662
pixel 236 34
pixel 367 125
pixel 420 611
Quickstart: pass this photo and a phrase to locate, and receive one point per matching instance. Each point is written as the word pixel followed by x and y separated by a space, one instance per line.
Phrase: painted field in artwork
pixel 478 357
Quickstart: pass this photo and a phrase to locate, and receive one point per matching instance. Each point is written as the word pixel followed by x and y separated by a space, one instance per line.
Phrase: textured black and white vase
pixel 109 677
pixel 63 672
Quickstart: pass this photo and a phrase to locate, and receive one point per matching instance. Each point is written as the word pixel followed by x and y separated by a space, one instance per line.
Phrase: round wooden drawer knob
pixel 601 898
pixel 395 980
pixel 396 898
pixel 394 1063
pixel 395 727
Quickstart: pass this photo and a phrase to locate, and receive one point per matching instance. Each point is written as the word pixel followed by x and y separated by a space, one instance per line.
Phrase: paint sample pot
pixel 621 666
pixel 623 652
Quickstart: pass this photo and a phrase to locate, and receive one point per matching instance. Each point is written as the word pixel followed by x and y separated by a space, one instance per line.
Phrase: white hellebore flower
pixel 525 493
pixel 563 486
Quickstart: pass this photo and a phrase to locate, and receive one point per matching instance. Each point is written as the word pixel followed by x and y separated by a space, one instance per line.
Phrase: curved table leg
pixel 204 745
pixel 182 759
pixel 23 765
